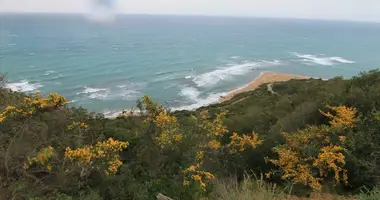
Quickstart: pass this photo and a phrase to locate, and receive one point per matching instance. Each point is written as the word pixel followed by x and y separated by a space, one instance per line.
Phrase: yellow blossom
pixel 241 142
pixel 200 156
pixel 328 159
pixel 345 116
pixel 196 177
pixel 42 158
pixel 213 144
pixel 102 152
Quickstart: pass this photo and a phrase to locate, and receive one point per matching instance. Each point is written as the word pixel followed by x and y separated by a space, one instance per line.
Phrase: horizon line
pixel 197 15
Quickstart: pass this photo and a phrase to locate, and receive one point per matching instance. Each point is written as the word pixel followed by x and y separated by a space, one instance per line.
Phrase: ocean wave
pixel 342 60
pixel 220 74
pixel 100 96
pixel 23 86
pixel 126 95
pixel 88 90
pixel 322 60
pixel 47 73
pixel 117 93
pixel 59 76
pixel 193 94
pixel 188 77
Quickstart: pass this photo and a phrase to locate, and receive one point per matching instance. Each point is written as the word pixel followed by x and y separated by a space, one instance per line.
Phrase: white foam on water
pixel 101 96
pixel 322 60
pixel 235 57
pixel 123 86
pixel 121 92
pixel 191 93
pixel 342 60
pixel 59 76
pixel 188 77
pixel 95 93
pixel 23 86
pixel 126 95
pixel 224 73
pixel 47 73
pixel 210 99
pixel 88 90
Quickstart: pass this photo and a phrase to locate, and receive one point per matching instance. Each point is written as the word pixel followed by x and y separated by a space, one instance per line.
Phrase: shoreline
pixel 263 78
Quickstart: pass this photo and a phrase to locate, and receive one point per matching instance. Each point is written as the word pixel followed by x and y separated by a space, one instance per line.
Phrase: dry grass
pixel 258 189
pixel 249 189
pixel 319 196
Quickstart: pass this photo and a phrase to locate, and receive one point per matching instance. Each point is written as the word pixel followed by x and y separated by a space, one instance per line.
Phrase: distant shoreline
pixel 263 78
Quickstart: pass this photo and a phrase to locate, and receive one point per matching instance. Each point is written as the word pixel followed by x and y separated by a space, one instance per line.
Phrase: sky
pixel 357 10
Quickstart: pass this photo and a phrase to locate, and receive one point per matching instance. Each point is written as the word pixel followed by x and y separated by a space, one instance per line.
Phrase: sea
pixel 183 62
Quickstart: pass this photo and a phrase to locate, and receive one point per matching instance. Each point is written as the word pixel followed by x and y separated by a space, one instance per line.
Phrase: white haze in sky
pixel 358 10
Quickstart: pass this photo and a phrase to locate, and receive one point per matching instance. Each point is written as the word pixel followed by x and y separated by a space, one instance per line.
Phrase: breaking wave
pixel 322 60
pixel 24 86
pixel 223 73
pixel 193 94
pixel 118 93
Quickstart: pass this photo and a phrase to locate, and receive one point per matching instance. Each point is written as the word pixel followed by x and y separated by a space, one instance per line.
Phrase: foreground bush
pixel 310 137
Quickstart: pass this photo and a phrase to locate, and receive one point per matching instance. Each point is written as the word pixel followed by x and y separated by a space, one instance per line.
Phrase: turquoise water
pixel 181 61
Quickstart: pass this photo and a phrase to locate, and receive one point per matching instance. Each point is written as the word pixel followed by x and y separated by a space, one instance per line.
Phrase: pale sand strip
pixel 265 77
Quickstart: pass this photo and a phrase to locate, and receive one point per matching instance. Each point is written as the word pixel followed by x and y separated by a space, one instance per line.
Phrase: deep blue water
pixel 181 61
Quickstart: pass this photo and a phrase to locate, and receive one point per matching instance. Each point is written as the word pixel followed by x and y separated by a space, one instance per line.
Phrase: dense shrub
pixel 310 136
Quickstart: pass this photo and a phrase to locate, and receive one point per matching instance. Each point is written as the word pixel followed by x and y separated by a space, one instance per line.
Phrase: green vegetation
pixel 309 138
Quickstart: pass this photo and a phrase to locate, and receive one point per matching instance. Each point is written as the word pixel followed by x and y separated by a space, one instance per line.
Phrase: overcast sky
pixel 362 10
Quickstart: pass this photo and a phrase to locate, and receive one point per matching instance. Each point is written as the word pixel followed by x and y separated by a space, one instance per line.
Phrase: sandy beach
pixel 265 77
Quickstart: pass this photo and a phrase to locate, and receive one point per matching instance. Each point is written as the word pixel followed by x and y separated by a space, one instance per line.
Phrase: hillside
pixel 307 137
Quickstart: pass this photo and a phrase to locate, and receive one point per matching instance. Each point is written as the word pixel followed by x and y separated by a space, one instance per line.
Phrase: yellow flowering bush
pixel 102 153
pixel 296 159
pixel 168 132
pixel 240 143
pixel 32 105
pixel 212 130
pixel 345 117
pixel 329 159
pixel 168 129
pixel 194 173
pixel 295 168
pixel 215 127
pixel 150 109
pixel 42 158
